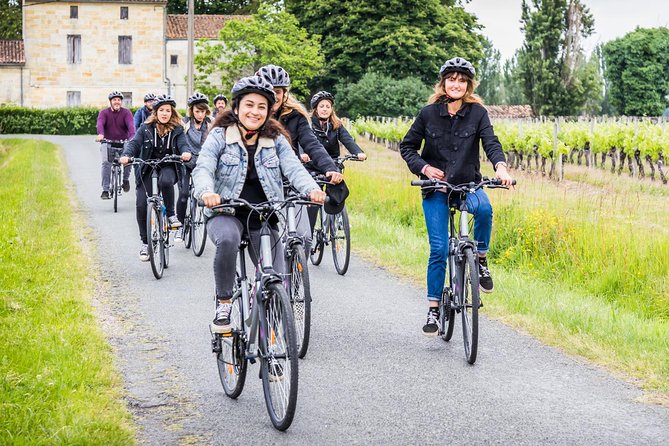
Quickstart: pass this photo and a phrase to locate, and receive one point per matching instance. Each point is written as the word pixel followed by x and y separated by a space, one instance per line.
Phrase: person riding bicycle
pixel 295 120
pixel 144 112
pixel 114 123
pixel 246 155
pixel 220 104
pixel 328 127
pixel 160 135
pixel 452 126
pixel 197 123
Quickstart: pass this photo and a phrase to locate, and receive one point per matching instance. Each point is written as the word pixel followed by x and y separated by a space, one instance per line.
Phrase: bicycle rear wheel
pixel 278 368
pixel 231 359
pixel 470 299
pixel 447 315
pixel 300 297
pixel 340 232
pixel 198 230
pixel 318 240
pixel 154 224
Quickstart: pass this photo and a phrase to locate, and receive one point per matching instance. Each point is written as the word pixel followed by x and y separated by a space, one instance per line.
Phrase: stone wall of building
pixel 10 85
pixel 46 28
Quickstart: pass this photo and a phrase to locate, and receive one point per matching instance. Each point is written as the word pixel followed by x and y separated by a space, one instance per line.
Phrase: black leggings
pixel 167 178
pixel 184 185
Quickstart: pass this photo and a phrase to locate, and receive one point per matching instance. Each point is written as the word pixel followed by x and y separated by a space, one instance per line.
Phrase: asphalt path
pixel 370 377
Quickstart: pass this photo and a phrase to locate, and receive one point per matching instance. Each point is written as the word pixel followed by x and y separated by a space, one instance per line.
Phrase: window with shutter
pixel 74 48
pixel 125 50
pixel 127 99
pixel 73 98
pixel 124 13
pixel 74 12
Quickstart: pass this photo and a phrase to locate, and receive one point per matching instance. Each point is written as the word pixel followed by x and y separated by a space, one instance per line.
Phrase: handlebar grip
pixel 421 183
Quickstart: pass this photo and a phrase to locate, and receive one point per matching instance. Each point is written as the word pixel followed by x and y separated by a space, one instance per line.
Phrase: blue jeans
pixel 435 208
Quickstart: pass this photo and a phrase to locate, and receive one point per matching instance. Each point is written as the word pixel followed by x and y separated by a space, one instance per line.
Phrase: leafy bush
pixel 48 121
pixel 379 95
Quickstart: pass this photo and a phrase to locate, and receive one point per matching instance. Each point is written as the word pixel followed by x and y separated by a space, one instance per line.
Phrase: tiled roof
pixel 206 25
pixel 12 52
pixel 509 111
pixel 96 1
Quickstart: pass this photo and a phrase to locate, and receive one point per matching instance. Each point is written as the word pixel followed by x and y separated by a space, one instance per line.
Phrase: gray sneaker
pixel 174 222
pixel 221 323
pixel 179 234
pixel 144 253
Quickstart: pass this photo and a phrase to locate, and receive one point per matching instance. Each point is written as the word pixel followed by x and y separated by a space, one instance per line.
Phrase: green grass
pixel 583 267
pixel 57 380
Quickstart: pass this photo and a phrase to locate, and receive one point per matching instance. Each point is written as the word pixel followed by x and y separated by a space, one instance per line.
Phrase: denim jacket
pixel 222 166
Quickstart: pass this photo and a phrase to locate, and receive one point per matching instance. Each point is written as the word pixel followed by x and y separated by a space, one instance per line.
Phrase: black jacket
pixel 330 138
pixel 451 143
pixel 144 142
pixel 302 136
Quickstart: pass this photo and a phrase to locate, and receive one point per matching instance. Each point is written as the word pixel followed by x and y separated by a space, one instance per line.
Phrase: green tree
pixel 512 91
pixel 399 38
pixel 489 75
pixel 244 7
pixel 551 58
pixel 270 36
pixel 375 94
pixel 637 71
pixel 10 20
pixel 593 84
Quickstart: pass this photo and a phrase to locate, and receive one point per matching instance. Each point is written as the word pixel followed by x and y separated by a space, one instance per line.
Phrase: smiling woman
pixel 56 378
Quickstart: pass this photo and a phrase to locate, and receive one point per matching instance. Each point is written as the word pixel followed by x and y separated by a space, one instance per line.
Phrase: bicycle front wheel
pixel 470 299
pixel 198 230
pixel 300 297
pixel 188 225
pixel 278 368
pixel 340 232
pixel 154 224
pixel 447 315
pixel 114 187
pixel 318 240
pixel 231 359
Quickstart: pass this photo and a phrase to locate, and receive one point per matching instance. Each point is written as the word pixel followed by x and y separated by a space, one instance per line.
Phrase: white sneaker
pixel 174 222
pixel 144 253
pixel 179 234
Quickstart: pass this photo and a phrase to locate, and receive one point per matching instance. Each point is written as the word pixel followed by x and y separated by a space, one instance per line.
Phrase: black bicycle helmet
pixel 218 97
pixel 457 65
pixel 115 94
pixel 253 84
pixel 164 99
pixel 197 98
pixel 276 75
pixel 149 97
pixel 319 96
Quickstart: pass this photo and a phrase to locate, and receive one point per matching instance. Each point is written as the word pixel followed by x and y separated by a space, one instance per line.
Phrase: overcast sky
pixel 613 18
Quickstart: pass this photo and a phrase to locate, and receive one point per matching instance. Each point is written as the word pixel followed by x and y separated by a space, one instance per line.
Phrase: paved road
pixel 370 377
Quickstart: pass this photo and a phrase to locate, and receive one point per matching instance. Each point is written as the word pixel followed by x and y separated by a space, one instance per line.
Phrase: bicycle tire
pixel 166 243
pixel 188 226
pixel 470 300
pixel 300 297
pixel 114 187
pixel 199 230
pixel 447 315
pixel 317 240
pixel 277 337
pixel 340 234
pixel 231 360
pixel 154 222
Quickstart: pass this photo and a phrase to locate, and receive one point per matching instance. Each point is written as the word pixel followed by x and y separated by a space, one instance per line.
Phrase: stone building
pixel 76 52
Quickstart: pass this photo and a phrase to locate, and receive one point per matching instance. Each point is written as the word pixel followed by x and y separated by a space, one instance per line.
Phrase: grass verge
pixel 57 380
pixel 568 268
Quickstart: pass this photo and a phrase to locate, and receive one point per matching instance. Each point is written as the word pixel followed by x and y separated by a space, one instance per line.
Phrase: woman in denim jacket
pixel 245 156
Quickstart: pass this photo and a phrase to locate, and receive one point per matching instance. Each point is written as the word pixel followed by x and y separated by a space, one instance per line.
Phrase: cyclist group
pixel 246 149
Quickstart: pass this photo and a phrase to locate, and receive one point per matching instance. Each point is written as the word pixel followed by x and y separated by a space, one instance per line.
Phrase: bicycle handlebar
pixel 493 183
pixel 113 141
pixel 156 162
pixel 265 207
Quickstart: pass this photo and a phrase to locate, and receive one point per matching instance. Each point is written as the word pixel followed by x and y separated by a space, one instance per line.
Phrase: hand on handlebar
pixel 186 156
pixel 503 175
pixel 335 177
pixel 211 199
pixel 317 196
pixel 124 160
pixel 362 156
pixel 305 158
